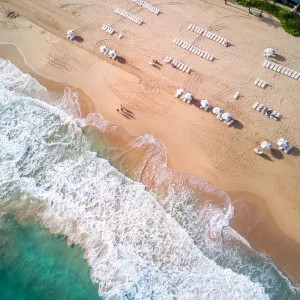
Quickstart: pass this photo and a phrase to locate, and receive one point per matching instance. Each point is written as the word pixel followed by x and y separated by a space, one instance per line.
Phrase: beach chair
pixel 271 66
pixel 268 64
pixel 264 110
pixel 190 26
pixel 189 47
pixel 286 71
pixel 287 150
pixel 202 53
pixel 277 116
pixel 228 123
pixel 179 43
pixel 265 63
pixel 211 57
pixel 256 81
pixel 181 67
pixel 279 69
pixel 198 30
pixel 170 60
pixel 260 82
pixel 263 84
pixel 175 41
pixel 219 117
pixel 224 43
pixel 283 70
pixel 218 39
pixel 201 31
pixel 294 74
pixel 297 76
pixel 221 41
pixel 258 108
pixel 272 115
pixel 184 68
pixel 198 52
pixel 188 70
pixel 195 50
pixel 215 37
pixel 166 59
pixel 212 36
pixel 255 105
pixel 290 73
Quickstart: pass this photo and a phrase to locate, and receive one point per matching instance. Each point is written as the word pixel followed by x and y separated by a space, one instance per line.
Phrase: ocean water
pixel 83 182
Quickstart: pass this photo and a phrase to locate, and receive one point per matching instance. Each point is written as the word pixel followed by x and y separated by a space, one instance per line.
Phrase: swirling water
pixel 138 244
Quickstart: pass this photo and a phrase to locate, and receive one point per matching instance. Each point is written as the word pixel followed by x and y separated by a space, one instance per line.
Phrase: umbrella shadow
pixel 266 157
pixel 277 154
pixel 295 151
pixel 237 124
pixel 121 60
pixel 279 57
pixel 78 39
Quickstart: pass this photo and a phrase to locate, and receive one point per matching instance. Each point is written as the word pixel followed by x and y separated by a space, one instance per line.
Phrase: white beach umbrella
pixel 180 92
pixel 104 49
pixel 188 97
pixel 217 110
pixel 269 51
pixel 226 116
pixel 282 142
pixel 204 103
pixel 266 145
pixel 71 32
pixel 112 54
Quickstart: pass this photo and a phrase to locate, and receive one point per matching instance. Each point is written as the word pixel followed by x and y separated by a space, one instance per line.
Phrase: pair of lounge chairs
pixel 108 29
pixel 272 114
pixel 208 35
pixel 129 16
pixel 227 122
pixel 177 64
pixel 281 69
pixel 286 149
pixel 260 83
pixel 193 49
pixel 146 5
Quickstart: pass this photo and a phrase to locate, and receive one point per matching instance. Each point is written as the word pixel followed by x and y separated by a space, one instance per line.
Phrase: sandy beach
pixel 265 192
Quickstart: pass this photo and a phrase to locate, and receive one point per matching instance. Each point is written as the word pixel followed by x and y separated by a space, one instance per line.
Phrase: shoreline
pixel 264 236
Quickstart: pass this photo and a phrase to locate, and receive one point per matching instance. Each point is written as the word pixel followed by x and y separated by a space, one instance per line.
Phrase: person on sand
pixel 121 107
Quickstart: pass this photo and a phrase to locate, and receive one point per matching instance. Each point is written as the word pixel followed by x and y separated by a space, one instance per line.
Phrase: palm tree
pixel 249 5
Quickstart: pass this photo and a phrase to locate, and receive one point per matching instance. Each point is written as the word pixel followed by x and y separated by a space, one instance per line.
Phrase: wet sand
pixel 265 192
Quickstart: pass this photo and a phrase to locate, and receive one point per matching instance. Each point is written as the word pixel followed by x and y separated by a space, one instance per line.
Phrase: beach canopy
pixel 269 51
pixel 104 49
pixel 226 116
pixel 266 145
pixel 180 92
pixel 71 32
pixel 217 110
pixel 204 103
pixel 282 142
pixel 112 54
pixel 188 96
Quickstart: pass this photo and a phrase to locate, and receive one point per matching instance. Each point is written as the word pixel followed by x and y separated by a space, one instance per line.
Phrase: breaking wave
pixel 86 179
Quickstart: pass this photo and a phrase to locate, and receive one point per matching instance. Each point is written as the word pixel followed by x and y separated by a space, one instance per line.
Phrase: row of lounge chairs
pixel 129 16
pixel 193 49
pixel 177 64
pixel 146 5
pixel 281 69
pixel 260 83
pixel 208 34
pixel 273 114
pixel 108 29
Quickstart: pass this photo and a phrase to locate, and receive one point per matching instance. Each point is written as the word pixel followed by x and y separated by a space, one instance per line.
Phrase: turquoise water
pixel 138 245
pixel 34 264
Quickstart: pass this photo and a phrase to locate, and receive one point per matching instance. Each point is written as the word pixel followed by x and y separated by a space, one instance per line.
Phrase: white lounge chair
pixel 263 84
pixel 258 108
pixel 287 150
pixel 294 74
pixel 256 81
pixel 190 26
pixel 228 123
pixel 286 71
pixel 184 68
pixel 181 67
pixel 211 57
pixel 255 105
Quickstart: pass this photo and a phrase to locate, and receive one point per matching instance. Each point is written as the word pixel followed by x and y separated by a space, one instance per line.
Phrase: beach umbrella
pixel 269 52
pixel 112 54
pixel 226 116
pixel 188 97
pixel 266 145
pixel 204 103
pixel 217 110
pixel 71 32
pixel 282 142
pixel 179 92
pixel 104 49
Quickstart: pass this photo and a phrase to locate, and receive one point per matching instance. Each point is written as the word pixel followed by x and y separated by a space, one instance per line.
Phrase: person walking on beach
pixel 121 107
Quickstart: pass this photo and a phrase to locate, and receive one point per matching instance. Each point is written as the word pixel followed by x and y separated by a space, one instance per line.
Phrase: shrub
pixel 290 22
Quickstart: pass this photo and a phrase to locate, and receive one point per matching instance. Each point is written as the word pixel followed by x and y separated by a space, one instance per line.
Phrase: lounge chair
pixel 275 67
pixel 279 69
pixel 272 115
pixel 286 71
pixel 256 81
pixel 263 84
pixel 201 53
pixel 286 150
pixel 211 57
pixel 263 111
pixel 257 151
pixel 294 74
pixel 219 117
pixel 218 39
pixel 188 70
pixel 198 52
pixel 181 67
pixel 228 123
pixel 255 105
pixel 265 63
pixel 166 59
pixel 175 41
pixel 195 50
pixel 297 76
pixel 215 37
pixel 259 107
pixel 271 66
pixel 201 31
pixel 268 64
pixel 283 70
pixel 221 41
pixel 184 68
pixel 190 26
pixel 198 30
pixel 277 116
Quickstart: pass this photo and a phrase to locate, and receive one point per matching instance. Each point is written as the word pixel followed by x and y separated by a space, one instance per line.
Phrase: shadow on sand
pixel 295 151
pixel 277 154
pixel 121 59
pixel 78 39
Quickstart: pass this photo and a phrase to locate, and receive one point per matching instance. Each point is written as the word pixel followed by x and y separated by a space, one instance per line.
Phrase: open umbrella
pixel 266 145
pixel 226 116
pixel 204 103
pixel 269 52
pixel 217 110
pixel 188 97
pixel 179 92
pixel 282 143
pixel 112 54
pixel 104 49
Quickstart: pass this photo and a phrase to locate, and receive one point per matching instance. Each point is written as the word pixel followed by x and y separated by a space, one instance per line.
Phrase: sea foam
pixel 138 245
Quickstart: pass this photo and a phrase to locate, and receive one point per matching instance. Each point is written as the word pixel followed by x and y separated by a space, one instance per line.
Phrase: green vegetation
pixel 290 22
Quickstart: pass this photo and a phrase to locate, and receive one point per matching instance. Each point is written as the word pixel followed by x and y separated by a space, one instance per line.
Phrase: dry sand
pixel 264 191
